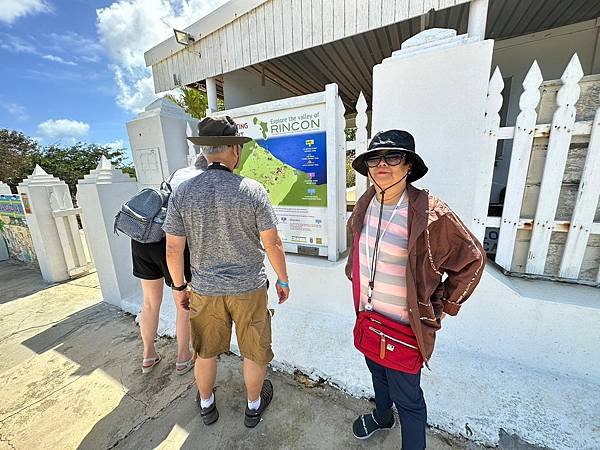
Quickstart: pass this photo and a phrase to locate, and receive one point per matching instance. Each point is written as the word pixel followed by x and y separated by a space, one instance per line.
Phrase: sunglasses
pixel 390 158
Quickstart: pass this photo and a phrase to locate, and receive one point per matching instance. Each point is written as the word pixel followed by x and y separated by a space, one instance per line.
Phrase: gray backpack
pixel 141 218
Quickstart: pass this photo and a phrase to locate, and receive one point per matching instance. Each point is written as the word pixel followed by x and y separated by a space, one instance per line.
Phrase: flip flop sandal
pixel 149 363
pixel 184 367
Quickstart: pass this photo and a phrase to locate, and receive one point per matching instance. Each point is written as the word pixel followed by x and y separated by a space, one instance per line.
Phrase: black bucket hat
pixel 392 140
pixel 215 131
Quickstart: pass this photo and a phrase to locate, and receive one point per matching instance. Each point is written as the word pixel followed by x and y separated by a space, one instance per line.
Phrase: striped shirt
pixel 389 291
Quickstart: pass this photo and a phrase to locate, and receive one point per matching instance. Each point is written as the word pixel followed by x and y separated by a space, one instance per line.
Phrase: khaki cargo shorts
pixel 210 324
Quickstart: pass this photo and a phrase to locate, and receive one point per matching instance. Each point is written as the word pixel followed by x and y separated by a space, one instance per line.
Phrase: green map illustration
pixel 285 185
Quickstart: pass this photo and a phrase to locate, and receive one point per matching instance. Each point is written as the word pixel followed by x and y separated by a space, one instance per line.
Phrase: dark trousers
pixel 403 390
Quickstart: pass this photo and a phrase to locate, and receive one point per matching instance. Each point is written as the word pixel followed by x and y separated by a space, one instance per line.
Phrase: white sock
pixel 208 402
pixel 254 405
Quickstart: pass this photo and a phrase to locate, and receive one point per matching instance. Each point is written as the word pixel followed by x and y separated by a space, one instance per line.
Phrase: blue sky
pixel 73 69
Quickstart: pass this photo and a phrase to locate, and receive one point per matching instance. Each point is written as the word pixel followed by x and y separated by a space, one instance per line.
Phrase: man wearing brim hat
pixel 403 241
pixel 224 218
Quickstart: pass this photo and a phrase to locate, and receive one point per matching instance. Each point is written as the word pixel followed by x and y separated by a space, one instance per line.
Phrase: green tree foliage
pixel 194 102
pixel 72 163
pixel 16 151
pixel 20 154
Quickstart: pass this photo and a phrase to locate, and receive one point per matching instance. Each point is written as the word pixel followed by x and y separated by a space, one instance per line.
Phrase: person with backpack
pixel 224 218
pixel 150 266
pixel 403 241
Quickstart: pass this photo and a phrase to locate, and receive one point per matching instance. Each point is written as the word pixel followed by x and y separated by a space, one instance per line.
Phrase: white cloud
pixel 18 111
pixel 58 59
pixel 63 128
pixel 12 10
pixel 116 144
pixel 128 28
pixel 77 46
pixel 16 44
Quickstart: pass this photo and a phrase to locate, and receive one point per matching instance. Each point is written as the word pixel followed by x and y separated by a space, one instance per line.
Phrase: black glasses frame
pixel 375 160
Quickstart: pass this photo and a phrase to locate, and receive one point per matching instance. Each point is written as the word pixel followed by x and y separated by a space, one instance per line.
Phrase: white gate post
pixel 36 191
pixel 361 141
pixel 100 195
pixel 436 88
pixel 158 139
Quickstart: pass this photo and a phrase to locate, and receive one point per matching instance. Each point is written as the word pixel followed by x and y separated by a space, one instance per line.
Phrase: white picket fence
pixel 541 225
pixel 560 133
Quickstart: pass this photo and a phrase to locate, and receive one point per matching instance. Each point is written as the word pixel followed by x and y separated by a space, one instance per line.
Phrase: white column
pixel 211 93
pixel 36 191
pixel 436 88
pixel 100 195
pixel 4 189
pixel 478 10
pixel 158 139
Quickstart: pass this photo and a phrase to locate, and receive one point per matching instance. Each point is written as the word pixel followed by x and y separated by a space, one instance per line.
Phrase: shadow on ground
pixel 19 280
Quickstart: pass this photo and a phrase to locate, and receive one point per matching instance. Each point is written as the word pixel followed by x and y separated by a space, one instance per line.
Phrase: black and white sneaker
pixel 364 426
pixel 252 417
pixel 209 415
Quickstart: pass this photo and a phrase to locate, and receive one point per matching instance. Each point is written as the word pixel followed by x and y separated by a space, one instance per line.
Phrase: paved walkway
pixel 70 378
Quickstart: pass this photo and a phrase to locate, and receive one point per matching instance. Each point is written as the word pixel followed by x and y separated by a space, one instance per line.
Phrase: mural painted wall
pixel 14 231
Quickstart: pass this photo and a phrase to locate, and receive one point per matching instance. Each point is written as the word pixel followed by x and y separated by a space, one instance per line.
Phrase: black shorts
pixel 150 261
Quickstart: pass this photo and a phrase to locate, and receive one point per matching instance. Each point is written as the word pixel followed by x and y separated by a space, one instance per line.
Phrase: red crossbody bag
pixel 381 339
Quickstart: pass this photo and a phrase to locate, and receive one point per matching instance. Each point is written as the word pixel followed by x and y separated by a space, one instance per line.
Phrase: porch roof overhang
pixel 303 45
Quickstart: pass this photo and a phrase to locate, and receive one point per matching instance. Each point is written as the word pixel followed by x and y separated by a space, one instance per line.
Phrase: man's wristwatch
pixel 180 288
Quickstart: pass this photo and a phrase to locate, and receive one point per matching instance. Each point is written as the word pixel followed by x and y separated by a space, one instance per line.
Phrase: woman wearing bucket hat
pixel 403 241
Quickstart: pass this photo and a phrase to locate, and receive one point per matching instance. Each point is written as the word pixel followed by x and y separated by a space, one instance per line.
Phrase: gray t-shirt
pixel 221 215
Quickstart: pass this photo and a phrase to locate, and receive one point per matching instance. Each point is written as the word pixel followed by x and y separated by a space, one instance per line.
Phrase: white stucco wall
pixel 521 356
pixel 552 49
pixel 243 88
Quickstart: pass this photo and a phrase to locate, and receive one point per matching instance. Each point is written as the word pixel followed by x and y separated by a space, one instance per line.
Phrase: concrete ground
pixel 70 378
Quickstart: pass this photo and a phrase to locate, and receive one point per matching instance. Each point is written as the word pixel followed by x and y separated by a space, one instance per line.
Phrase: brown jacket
pixel 438 243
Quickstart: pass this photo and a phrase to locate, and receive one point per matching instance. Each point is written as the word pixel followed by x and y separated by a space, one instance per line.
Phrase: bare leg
pixel 206 374
pixel 254 375
pixel 182 324
pixel 153 292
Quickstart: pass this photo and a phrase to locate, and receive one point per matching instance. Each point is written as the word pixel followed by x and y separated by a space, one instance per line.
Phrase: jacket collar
pixel 418 200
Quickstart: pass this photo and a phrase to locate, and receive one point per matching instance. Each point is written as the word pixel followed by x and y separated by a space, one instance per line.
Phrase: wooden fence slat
pixel 560 226
pixel 237 44
pixel 245 38
pixel 317 22
pixel 558 148
pixel 585 207
pixel 486 169
pixel 288 25
pixel 583 128
pixel 306 24
pixel 297 24
pixel 278 27
pixel 362 14
pixel 260 33
pixel 416 8
pixel 388 12
pixel 350 17
pixel 231 59
pixel 252 37
pixel 362 136
pixel 270 35
pixel 375 13
pixel 339 19
pixel 519 163
pixel 222 42
pixel 327 21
